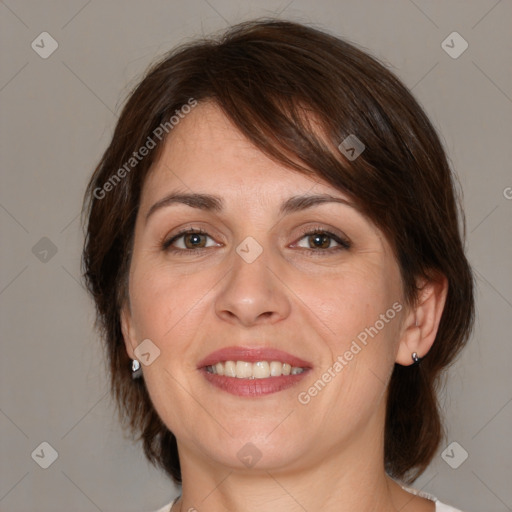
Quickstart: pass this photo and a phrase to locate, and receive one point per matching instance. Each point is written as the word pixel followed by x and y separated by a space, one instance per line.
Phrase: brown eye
pixel 319 241
pixel 194 240
pixel 188 241
pixel 322 241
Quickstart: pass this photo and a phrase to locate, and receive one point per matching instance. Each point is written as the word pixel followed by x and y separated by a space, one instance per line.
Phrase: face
pixel 257 273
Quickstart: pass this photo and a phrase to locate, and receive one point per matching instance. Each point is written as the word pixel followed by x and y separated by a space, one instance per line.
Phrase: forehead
pixel 206 151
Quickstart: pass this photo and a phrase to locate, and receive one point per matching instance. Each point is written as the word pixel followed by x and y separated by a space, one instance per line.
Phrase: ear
pixel 128 331
pixel 422 321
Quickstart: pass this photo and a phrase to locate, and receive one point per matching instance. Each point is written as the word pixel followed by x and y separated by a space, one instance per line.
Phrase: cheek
pixel 363 311
pixel 151 304
pixel 169 308
pixel 357 301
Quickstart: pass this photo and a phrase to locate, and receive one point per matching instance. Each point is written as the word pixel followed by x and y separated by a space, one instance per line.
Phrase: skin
pixel 328 454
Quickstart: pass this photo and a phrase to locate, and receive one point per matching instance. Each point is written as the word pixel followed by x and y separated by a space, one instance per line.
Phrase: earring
pixel 416 359
pixel 136 369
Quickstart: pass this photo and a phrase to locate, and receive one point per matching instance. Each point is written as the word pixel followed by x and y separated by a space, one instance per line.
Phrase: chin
pixel 256 449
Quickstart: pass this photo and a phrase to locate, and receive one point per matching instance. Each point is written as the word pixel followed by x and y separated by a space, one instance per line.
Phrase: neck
pixel 341 479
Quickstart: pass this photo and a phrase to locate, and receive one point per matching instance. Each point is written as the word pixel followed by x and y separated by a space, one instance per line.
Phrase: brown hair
pixel 264 75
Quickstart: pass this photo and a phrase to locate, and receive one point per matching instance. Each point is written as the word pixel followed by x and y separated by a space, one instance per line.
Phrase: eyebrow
pixel 213 203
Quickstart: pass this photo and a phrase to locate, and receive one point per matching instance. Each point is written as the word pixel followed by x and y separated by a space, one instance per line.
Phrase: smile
pixel 257 370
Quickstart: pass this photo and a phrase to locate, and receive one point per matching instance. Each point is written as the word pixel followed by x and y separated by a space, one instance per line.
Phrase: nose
pixel 252 293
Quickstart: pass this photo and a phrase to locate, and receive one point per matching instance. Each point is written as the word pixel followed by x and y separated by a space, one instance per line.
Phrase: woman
pixel 273 249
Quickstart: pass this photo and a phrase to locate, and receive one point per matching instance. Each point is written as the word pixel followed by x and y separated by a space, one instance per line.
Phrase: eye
pixel 188 239
pixel 317 241
pixel 320 240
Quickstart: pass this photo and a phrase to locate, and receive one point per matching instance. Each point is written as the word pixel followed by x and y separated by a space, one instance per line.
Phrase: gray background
pixel 57 116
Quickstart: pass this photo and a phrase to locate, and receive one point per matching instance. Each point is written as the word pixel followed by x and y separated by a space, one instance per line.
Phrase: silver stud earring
pixel 416 359
pixel 136 369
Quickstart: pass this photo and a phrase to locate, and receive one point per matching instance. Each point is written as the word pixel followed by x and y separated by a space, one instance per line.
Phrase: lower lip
pixel 253 387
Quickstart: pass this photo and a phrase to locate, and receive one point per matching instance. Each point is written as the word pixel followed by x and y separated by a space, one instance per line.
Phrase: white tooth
pixel 258 370
pixel 261 370
pixel 276 368
pixel 230 369
pixel 243 369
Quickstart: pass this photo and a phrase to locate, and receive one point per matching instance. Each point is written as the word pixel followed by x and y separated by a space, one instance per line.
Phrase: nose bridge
pixel 252 291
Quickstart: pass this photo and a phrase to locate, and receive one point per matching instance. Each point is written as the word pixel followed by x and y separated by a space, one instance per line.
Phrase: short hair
pixel 265 75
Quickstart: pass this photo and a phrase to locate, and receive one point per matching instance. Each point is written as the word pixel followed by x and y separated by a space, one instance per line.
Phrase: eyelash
pixel 344 243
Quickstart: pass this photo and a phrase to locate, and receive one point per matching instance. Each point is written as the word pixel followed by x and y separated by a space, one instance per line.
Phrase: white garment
pixel 440 507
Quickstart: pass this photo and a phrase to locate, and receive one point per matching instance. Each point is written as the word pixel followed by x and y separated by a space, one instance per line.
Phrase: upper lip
pixel 252 355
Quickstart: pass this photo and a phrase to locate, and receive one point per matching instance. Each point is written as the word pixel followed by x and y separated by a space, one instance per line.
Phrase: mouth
pixel 253 372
